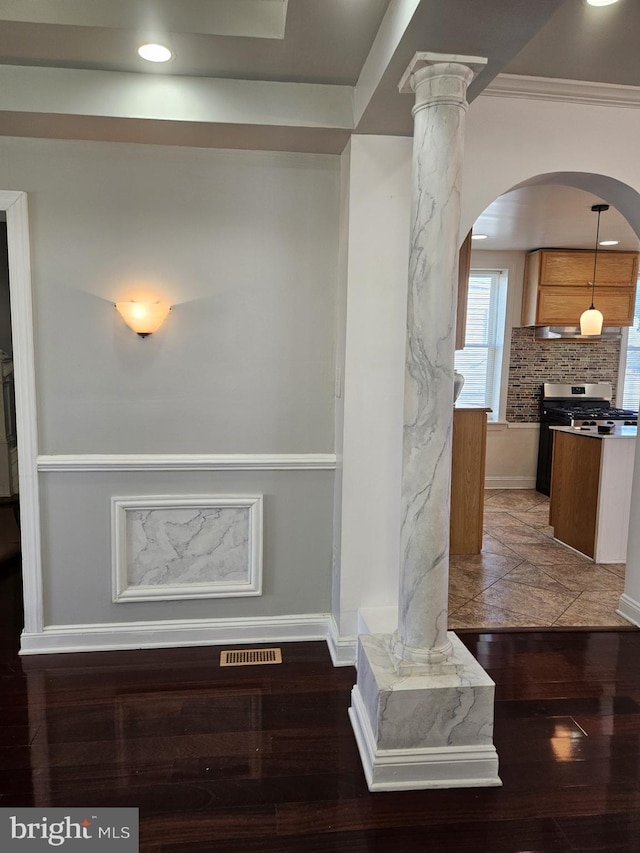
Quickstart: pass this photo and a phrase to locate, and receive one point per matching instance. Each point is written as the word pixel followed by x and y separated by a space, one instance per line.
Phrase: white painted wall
pixel 512 456
pixel 243 245
pixel 510 140
pixel 77 544
pixel 341 335
pixel 378 251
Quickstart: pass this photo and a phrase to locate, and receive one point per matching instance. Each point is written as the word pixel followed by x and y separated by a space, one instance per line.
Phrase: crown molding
pixel 567 91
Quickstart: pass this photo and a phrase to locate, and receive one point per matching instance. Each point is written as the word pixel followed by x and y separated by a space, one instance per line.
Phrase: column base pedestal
pixel 423 730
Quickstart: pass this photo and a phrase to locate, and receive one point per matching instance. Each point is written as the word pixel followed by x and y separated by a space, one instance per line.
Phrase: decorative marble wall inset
pixel 189 547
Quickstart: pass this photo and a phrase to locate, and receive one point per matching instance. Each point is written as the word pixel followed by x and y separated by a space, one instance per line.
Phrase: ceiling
pixel 299 75
pixel 70 68
pixel 537 217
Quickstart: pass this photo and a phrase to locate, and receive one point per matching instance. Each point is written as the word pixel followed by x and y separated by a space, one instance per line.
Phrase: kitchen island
pixel 591 490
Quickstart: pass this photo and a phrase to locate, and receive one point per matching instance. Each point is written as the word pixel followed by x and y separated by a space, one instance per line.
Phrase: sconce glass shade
pixel 591 322
pixel 143 317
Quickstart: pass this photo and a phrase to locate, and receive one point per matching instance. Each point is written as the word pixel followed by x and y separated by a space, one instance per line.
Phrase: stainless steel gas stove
pixel 585 407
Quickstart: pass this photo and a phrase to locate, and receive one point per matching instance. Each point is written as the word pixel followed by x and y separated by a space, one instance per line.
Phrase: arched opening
pixel 523 577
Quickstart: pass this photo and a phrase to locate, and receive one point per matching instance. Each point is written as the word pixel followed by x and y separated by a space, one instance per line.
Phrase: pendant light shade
pixel 591 320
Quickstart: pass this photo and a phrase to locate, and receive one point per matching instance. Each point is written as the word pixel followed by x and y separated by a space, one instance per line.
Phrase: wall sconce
pixel 143 317
pixel 591 320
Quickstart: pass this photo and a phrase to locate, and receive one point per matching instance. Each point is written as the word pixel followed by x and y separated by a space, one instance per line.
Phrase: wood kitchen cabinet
pixel 468 453
pixel 557 289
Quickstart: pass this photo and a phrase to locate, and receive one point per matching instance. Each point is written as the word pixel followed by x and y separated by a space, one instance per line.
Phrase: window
pixel 481 359
pixel 631 398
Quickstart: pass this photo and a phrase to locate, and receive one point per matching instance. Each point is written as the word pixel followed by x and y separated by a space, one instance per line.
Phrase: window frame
pixel 625 348
pixel 493 396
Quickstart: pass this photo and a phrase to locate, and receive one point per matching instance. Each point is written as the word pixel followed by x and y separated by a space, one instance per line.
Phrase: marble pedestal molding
pixel 417 729
pixel 422 708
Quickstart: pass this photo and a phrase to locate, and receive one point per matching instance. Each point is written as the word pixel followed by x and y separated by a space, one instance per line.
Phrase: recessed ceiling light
pixel 609 242
pixel 479 236
pixel 155 52
pixel 601 2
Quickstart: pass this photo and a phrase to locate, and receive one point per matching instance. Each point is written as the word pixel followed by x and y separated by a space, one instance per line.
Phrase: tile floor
pixel 522 578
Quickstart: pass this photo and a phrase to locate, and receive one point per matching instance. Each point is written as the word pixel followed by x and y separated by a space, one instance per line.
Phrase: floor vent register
pixel 250 657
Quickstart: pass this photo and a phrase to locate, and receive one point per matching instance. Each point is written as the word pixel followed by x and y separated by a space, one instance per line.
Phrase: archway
pixel 625 200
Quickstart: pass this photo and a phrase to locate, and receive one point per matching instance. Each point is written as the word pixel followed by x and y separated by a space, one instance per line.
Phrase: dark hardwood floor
pixel 262 758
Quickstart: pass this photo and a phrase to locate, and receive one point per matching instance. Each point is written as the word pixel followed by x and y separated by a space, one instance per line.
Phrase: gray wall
pixel 77 566
pixel 244 245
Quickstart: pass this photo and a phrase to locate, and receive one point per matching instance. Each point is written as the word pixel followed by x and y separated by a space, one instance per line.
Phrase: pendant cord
pixel 595 262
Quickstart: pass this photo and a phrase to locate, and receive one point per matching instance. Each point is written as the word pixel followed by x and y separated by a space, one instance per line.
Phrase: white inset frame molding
pixel 15 205
pixel 124 591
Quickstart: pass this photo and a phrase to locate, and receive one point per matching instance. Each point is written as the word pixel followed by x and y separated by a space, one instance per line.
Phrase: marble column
pixel 440 85
pixel 422 708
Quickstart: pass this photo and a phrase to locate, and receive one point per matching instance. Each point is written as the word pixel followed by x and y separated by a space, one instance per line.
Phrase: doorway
pixel 523 577
pixel 14 206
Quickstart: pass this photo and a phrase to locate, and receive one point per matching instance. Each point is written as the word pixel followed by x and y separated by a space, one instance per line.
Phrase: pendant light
pixel 591 320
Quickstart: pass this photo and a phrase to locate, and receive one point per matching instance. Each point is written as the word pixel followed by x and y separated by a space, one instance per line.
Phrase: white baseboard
pixel 629 609
pixel 510 483
pixel 427 767
pixel 116 636
pixel 343 650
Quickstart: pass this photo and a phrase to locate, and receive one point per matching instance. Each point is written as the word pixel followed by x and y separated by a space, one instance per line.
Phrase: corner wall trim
pixel 116 636
pixel 15 205
pixel 188 462
pixel 343 650
pixel 629 609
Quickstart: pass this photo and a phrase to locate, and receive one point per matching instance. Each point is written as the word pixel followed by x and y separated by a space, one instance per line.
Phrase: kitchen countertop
pixel 619 432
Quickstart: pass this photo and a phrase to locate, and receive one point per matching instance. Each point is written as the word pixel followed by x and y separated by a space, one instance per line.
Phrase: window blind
pixel 631 398
pixel 477 361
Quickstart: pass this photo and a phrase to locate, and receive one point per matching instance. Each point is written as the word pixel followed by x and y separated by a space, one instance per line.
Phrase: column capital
pixel 423 60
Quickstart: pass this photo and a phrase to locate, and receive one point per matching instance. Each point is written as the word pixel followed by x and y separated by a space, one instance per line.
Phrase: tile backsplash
pixel 534 362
